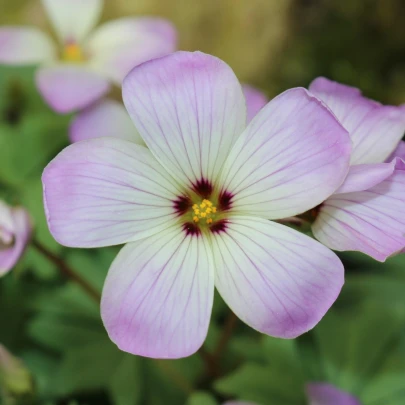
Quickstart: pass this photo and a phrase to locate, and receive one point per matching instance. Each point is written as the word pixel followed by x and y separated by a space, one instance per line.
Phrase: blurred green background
pixel 55 328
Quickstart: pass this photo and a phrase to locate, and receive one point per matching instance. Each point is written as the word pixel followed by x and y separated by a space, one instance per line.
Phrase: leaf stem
pixel 66 270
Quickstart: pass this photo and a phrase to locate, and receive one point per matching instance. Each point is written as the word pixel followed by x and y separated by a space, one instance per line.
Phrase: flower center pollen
pixel 205 211
pixel 73 53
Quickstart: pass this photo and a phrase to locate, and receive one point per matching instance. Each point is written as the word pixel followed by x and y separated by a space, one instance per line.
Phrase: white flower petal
pixel 107 191
pixel 158 295
pixel 291 157
pixel 274 278
pixel 370 221
pixel 375 129
pixel 189 108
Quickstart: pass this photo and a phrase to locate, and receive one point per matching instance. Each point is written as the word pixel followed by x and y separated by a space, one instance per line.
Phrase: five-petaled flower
pixel 367 213
pixel 15 232
pixel 80 70
pixel 190 110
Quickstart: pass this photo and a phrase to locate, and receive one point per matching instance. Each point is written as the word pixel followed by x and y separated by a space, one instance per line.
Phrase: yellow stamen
pixel 73 53
pixel 204 210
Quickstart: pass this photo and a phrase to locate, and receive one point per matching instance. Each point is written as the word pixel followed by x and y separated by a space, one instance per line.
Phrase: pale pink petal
pixel 15 232
pixel 105 118
pixel 255 101
pixel 363 177
pixel 277 280
pixel 67 88
pixel 370 221
pixel 73 19
pixel 292 156
pixel 374 129
pixel 399 151
pixel 189 108
pixel 25 45
pixel 118 46
pixel 327 394
pixel 158 295
pixel 107 191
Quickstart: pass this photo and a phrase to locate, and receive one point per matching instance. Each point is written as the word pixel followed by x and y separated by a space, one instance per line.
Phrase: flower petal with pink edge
pixel 158 295
pixel 255 100
pixel 277 280
pixel 363 177
pixel 73 19
pixel 104 118
pixel 370 221
pixel 67 88
pixel 118 46
pixel 291 157
pixel 25 45
pixel 327 394
pixel 15 232
pixel 189 109
pixel 374 129
pixel 107 191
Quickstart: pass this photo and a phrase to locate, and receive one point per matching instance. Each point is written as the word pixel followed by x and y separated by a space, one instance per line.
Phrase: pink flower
pixel 319 394
pixel 193 209
pixel 79 70
pixel 106 118
pixel 327 394
pixel 367 213
pixel 15 232
pixel 255 100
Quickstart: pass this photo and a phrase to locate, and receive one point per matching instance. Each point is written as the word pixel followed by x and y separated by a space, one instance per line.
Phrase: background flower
pixel 79 70
pixel 367 213
pixel 15 231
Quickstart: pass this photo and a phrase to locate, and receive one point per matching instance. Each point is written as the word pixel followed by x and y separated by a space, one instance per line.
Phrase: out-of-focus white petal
pixel 73 19
pixel 25 45
pixel 67 88
pixel 105 118
pixel 118 46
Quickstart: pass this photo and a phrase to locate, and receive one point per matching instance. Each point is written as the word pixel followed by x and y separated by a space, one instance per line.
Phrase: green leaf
pixel 354 345
pixel 124 387
pixel 261 384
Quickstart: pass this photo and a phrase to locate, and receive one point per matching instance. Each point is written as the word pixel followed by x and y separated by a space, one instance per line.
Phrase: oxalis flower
pixel 110 118
pixel 15 232
pixel 194 207
pixel 81 67
pixel 319 394
pixel 367 213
